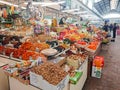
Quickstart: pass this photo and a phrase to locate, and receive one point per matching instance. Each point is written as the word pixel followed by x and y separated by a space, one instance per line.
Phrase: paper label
pixel 61 85
pixel 33 79
pixel 39 61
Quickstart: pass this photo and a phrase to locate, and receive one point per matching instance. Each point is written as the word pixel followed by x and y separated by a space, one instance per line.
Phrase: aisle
pixel 111 73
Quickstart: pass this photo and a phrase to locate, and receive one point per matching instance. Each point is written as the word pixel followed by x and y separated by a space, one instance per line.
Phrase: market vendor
pixel 62 21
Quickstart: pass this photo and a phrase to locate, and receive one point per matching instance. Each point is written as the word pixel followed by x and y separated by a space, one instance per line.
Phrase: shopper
pixel 111 27
pixel 62 21
pixel 106 27
pixel 114 32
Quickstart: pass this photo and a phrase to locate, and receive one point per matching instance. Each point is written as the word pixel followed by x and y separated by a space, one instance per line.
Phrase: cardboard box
pixel 38 81
pixel 96 71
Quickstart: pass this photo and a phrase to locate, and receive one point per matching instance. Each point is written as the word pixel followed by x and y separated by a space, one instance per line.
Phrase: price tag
pixel 37 50
pixel 39 61
pixel 33 79
pixel 55 45
pixel 61 85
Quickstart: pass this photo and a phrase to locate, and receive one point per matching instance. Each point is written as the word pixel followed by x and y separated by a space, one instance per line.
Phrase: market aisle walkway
pixel 111 73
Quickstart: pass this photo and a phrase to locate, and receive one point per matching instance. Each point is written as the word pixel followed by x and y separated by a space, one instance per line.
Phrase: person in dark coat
pixel 114 31
pixel 62 21
pixel 111 27
pixel 106 27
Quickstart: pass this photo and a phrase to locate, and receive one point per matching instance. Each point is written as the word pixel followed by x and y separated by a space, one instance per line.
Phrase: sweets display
pixel 31 55
pixel 93 45
pixel 41 46
pixel 8 51
pixel 7 39
pixel 18 53
pixel 1 49
pixel 26 46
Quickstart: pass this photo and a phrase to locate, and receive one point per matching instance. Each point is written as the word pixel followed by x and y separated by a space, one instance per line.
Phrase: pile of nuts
pixel 50 72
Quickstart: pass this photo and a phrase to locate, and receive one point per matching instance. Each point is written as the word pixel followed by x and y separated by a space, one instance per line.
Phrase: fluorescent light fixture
pixel 71 10
pixel 112 16
pixel 7 3
pixel 52 3
pixel 85 15
pixel 113 4
pixel 97 1
pixel 46 3
pixel 82 12
pixel 10 4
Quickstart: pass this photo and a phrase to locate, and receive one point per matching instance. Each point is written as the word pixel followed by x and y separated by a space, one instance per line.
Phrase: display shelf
pixel 4 82
pixel 16 85
pixel 83 78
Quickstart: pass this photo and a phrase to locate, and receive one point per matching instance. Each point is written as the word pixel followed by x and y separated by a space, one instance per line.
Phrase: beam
pixel 88 9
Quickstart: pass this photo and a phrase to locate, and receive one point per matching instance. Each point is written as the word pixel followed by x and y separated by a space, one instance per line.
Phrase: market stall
pixel 78 86
pixel 47 56
pixel 75 51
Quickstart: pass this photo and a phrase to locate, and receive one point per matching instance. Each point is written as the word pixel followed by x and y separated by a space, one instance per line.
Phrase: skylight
pixel 113 4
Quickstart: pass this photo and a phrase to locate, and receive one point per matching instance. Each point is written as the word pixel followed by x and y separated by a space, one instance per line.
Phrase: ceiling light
pixel 53 3
pixel 46 3
pixel 97 1
pixel 71 10
pixel 10 4
pixel 82 12
pixel 7 3
pixel 112 16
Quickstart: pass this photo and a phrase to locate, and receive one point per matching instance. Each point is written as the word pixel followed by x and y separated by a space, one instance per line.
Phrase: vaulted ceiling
pixel 105 6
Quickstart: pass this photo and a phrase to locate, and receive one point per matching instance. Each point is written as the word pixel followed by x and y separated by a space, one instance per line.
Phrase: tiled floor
pixel 110 79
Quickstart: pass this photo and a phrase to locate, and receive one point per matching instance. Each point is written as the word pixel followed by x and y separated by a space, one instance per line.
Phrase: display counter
pixel 4 83
pixel 17 85
pixel 83 78
pixel 97 51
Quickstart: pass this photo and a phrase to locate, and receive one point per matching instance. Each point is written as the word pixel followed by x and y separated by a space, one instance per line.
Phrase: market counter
pixel 17 85
pixel 96 52
pixel 4 83
pixel 83 78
